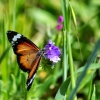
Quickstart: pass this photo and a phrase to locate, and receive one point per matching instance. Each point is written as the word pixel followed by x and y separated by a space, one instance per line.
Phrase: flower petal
pixel 59 27
pixel 60 19
pixel 52 52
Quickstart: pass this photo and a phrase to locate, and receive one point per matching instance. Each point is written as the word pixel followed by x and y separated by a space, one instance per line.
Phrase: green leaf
pixel 73 15
pixel 91 58
pixel 62 90
pixel 90 89
pixel 13 86
pixel 93 94
pixel 4 54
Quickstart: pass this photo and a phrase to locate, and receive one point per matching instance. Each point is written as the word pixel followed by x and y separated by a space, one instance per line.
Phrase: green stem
pixel 66 40
pixel 71 62
pixel 70 51
pixel 65 58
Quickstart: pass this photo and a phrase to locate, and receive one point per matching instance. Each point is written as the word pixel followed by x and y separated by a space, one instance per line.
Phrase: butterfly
pixel 28 55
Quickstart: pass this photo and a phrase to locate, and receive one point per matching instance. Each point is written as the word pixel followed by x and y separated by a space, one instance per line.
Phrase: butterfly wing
pixel 27 54
pixel 32 73
pixel 25 50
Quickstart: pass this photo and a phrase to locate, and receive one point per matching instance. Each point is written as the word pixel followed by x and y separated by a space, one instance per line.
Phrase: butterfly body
pixel 28 54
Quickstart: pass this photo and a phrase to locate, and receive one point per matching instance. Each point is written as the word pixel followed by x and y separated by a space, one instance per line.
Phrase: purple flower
pixel 52 52
pixel 60 19
pixel 59 27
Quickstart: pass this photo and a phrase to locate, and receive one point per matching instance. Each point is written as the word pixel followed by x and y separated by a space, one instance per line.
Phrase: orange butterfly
pixel 28 54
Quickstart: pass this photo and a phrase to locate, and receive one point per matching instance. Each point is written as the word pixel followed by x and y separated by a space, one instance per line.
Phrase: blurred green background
pixel 37 19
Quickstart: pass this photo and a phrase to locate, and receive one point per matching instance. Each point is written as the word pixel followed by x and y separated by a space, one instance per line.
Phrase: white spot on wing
pixel 18 36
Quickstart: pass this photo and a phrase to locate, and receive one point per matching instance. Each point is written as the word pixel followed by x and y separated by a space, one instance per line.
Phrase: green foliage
pixel 77 73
